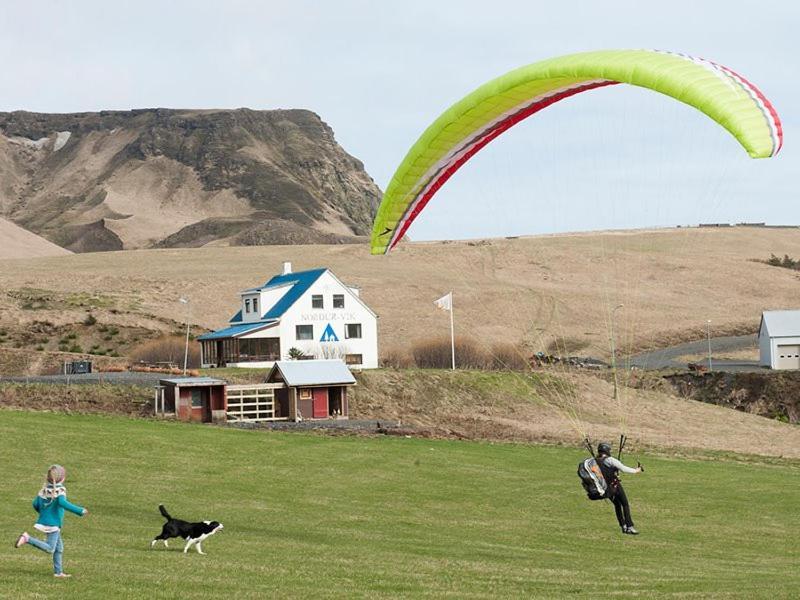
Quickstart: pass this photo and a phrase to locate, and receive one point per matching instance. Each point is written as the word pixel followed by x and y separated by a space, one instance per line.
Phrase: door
pixel 788 357
pixel 201 408
pixel 320 403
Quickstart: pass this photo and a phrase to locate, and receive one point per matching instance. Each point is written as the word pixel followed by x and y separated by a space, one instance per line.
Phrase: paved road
pixel 666 358
pixel 123 378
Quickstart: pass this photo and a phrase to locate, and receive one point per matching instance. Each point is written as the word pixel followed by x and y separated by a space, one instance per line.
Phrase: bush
pixel 436 354
pixel 166 349
pixel 397 360
pixel 90 320
pixel 508 357
pixel 786 262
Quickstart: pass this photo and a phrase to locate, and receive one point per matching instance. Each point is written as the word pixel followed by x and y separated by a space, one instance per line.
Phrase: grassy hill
pixel 551 292
pixel 313 516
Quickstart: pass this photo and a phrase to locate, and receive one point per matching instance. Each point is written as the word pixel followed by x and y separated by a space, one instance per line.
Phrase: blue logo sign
pixel 329 335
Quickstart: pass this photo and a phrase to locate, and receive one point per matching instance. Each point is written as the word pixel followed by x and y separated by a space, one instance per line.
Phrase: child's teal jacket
pixel 51 512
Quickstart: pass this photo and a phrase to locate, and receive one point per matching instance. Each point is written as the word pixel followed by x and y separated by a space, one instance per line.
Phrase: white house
pixel 779 339
pixel 308 312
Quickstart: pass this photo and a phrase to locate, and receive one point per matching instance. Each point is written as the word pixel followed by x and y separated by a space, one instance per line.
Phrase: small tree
pixel 295 353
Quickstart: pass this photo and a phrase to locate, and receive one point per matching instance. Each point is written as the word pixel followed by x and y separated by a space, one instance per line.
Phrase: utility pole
pixel 708 335
pixel 186 349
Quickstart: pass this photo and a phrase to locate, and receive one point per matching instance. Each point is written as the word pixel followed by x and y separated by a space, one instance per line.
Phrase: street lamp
pixel 186 349
pixel 614 350
pixel 708 335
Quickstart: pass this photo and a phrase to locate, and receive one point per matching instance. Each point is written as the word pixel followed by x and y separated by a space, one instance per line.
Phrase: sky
pixel 380 72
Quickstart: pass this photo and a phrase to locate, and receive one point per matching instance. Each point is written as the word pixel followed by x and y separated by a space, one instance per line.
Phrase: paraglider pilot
pixel 611 467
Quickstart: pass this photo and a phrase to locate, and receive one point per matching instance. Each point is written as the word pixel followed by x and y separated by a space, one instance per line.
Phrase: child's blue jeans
pixel 53 546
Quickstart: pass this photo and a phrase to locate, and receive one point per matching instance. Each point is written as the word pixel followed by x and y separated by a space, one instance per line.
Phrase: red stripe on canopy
pixel 491 134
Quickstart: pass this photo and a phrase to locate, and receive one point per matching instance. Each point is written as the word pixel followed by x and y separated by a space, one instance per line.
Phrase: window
pixel 197 398
pixel 247 305
pixel 316 301
pixel 338 301
pixel 256 349
pixel 352 331
pixel 255 305
pixel 353 359
pixel 304 332
pixel 305 394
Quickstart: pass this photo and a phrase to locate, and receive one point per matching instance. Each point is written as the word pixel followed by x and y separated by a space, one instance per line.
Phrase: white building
pixel 779 339
pixel 310 313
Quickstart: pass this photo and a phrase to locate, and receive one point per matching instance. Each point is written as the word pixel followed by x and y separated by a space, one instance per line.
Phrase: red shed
pixel 315 389
pixel 192 398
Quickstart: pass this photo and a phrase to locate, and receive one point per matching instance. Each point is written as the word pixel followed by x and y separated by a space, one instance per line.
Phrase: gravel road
pixel 666 358
pixel 123 378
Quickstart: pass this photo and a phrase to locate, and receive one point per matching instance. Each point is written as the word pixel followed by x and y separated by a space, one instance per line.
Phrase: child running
pixel 50 503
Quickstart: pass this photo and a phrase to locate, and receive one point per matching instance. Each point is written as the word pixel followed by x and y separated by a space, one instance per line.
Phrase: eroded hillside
pixel 181 178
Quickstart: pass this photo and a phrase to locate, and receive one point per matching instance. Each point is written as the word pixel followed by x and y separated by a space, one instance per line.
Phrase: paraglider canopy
pixel 470 124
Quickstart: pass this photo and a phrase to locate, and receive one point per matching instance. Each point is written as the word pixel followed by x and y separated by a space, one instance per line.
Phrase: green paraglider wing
pixel 473 122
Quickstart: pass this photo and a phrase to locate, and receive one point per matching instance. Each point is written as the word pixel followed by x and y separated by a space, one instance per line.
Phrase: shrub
pixel 295 353
pixel 436 354
pixel 508 357
pixel 166 349
pixel 90 320
pixel 786 262
pixel 76 348
pixel 396 359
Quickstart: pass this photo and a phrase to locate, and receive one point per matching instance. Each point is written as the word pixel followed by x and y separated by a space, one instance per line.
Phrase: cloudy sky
pixel 380 72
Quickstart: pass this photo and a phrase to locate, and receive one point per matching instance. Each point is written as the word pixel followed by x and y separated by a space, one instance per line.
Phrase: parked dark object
pixel 78 367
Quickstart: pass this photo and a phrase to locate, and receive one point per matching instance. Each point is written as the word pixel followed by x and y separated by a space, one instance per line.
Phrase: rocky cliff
pixel 168 178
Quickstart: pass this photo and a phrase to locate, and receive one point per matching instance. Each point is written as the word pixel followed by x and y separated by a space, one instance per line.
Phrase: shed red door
pixel 320 402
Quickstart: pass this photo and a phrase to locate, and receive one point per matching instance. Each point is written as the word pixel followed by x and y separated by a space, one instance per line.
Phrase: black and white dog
pixel 193 533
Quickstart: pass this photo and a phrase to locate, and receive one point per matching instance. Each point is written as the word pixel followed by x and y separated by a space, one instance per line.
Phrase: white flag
pixel 445 302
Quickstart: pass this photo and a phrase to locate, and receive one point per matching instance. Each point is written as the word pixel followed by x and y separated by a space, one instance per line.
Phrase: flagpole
pixel 452 335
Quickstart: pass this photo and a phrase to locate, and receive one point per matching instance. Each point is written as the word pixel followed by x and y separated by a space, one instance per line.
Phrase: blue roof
pixel 235 330
pixel 300 281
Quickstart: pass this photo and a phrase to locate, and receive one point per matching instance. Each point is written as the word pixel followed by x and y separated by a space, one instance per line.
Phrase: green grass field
pixel 315 516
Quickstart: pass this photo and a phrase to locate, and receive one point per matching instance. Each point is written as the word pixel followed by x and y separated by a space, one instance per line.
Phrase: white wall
pixel 354 311
pixel 775 342
pixel 764 348
pixel 266 300
pixel 302 313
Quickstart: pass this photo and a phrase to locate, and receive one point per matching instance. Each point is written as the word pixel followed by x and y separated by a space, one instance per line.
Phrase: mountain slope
pixel 158 177
pixel 16 242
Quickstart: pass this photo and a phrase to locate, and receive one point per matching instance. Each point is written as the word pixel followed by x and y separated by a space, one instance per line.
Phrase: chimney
pixel 287 268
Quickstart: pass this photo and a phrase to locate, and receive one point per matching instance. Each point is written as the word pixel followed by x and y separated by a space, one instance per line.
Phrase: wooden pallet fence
pixel 253 403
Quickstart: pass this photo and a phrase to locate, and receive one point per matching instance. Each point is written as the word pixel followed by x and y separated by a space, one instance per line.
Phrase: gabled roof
pixel 312 372
pixel 237 330
pixel 299 282
pixel 781 323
